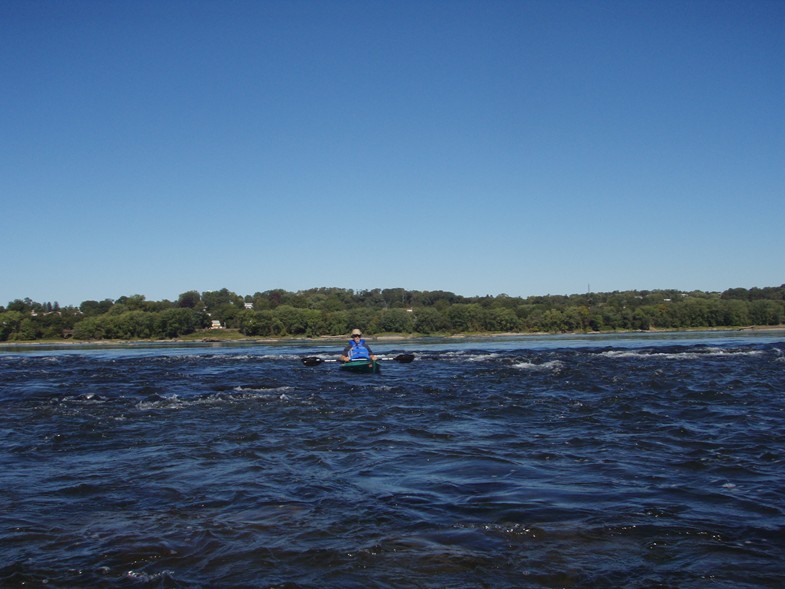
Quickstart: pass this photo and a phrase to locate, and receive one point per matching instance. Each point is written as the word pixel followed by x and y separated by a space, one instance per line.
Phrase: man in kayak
pixel 357 349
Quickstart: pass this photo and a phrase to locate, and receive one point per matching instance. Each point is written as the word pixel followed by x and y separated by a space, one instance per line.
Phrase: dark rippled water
pixel 635 461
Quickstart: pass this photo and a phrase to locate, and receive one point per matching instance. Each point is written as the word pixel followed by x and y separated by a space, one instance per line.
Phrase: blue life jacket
pixel 358 351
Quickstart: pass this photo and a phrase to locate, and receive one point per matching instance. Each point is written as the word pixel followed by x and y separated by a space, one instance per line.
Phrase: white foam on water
pixel 552 365
pixel 246 389
pixel 686 355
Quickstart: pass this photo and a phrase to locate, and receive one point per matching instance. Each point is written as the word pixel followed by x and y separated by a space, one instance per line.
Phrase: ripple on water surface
pixel 510 464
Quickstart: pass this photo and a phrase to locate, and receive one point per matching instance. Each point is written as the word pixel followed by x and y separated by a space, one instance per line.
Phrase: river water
pixel 586 461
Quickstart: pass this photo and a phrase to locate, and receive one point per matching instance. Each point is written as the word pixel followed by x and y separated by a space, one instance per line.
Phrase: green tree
pixel 94 308
pixel 500 319
pixel 766 312
pixel 396 297
pixel 214 300
pixel 465 318
pixel 135 302
pixel 177 322
pixel 362 318
pixel 553 321
pixel 395 320
pixel 190 300
pixel 28 330
pixel 293 319
pixel 89 328
pixel 428 320
pixel 21 306
pixel 337 323
pixel 256 323
pixel 9 324
pixel 735 312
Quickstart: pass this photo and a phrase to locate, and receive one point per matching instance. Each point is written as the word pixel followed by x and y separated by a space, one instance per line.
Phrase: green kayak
pixel 363 366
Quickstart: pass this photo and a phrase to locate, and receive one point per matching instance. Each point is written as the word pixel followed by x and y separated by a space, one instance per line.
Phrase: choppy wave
pixel 477 465
pixel 554 365
pixel 682 354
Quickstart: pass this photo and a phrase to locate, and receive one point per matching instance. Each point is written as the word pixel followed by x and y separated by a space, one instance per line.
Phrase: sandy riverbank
pixel 231 336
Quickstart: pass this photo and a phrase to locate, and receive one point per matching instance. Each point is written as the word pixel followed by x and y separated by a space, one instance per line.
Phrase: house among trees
pixel 335 312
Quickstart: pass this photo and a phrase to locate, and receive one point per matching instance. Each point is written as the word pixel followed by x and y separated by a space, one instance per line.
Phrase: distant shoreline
pixel 204 338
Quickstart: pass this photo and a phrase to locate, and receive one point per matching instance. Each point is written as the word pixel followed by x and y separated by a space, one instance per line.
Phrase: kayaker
pixel 357 349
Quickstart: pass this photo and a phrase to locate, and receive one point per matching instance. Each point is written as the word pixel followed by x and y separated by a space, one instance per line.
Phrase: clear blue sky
pixel 481 147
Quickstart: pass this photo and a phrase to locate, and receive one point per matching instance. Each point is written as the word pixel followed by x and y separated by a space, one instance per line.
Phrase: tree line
pixel 335 311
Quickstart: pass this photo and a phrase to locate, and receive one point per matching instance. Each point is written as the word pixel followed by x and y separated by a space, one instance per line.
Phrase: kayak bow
pixel 362 366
